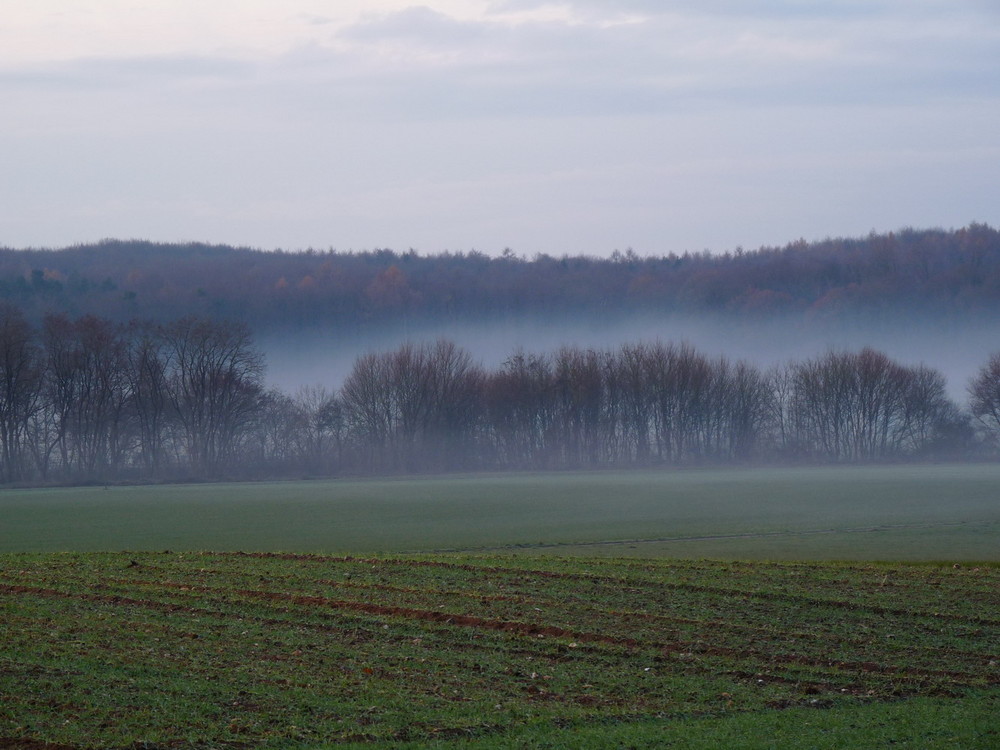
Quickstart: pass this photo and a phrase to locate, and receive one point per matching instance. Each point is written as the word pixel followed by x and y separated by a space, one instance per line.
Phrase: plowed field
pixel 257 650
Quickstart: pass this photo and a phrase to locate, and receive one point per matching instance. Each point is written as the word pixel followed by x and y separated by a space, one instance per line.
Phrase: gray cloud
pixel 418 23
pixel 421 63
pixel 699 125
pixel 668 61
pixel 108 73
pixel 784 10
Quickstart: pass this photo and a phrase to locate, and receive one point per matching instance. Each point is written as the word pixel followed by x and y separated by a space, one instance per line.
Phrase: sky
pixel 577 127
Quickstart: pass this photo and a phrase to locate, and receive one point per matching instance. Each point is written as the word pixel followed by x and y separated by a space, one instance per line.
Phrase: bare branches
pixel 86 400
pixel 984 397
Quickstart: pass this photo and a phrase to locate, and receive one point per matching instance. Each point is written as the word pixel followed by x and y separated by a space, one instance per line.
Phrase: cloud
pixel 312 19
pixel 129 72
pixel 783 10
pixel 415 23
pixel 421 63
pixel 572 126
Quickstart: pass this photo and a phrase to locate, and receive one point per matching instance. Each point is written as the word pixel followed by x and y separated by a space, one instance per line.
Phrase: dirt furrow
pixel 905 673
pixel 471 621
pixel 618 581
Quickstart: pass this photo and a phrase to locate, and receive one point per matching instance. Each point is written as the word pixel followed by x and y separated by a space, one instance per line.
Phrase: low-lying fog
pixel 957 350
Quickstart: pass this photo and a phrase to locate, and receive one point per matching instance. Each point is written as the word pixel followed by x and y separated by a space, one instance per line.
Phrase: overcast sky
pixel 569 127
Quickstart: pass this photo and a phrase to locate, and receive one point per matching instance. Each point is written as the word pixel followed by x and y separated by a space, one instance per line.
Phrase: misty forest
pixel 128 361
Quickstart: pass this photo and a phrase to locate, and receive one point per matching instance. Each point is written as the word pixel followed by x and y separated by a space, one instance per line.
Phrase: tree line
pixel 88 400
pixel 430 406
pixel 934 273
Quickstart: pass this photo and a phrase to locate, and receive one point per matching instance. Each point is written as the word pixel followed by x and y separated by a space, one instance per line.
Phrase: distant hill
pixel 952 274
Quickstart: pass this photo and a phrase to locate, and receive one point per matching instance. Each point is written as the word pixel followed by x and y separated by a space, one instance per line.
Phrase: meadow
pixel 508 611
pixel 920 512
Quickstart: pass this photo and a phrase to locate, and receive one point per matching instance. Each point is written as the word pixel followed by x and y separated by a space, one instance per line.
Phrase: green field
pixel 946 512
pixel 229 650
pixel 507 611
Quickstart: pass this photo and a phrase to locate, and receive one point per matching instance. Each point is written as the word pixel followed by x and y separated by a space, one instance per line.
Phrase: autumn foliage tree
pixel 878 278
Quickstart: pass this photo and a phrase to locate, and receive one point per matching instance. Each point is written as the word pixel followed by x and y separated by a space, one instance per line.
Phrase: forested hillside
pixel 943 274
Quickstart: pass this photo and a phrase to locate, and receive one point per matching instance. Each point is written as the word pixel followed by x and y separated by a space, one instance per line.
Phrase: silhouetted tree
pixel 215 387
pixel 146 370
pixel 416 407
pixel 521 410
pixel 21 371
pixel 323 432
pixel 984 397
pixel 863 406
pixel 748 407
pixel 92 400
pixel 87 393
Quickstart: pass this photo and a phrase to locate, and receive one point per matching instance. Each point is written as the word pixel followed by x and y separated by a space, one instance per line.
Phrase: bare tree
pixel 453 406
pixel 580 397
pixel 783 437
pixel 272 443
pixel 215 379
pixel 370 408
pixel 322 436
pixel 88 394
pixel 637 399
pixel 930 418
pixel 984 398
pixel 149 391
pixel 521 410
pixel 863 406
pixel 748 406
pixel 680 381
pixel 415 408
pixel 92 400
pixel 21 369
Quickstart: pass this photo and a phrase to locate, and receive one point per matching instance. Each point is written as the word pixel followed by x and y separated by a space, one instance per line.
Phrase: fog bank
pixel 955 348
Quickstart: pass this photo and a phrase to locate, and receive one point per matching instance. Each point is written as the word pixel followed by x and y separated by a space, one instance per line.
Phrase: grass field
pixel 947 512
pixel 555 633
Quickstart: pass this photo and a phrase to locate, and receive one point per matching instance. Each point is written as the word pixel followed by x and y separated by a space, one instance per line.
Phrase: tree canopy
pixel 951 273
